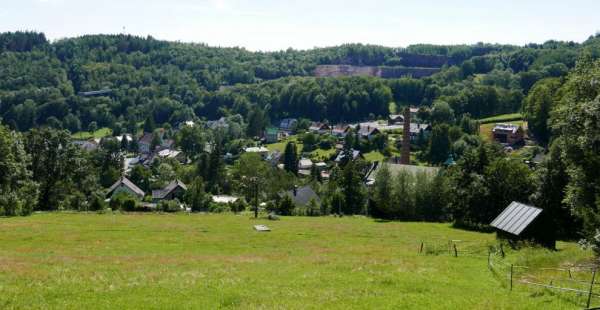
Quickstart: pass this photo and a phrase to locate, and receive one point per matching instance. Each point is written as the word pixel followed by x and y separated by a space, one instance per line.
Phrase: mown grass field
pixel 208 261
pixel 100 133
pixel 502 118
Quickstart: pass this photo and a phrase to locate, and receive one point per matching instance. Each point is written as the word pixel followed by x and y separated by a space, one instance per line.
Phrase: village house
pixel 124 185
pixel 355 154
pixel 174 190
pixel 319 128
pixel 172 154
pixel 127 136
pixel 224 199
pixel 145 142
pixel 321 166
pixel 416 129
pixel 305 164
pixel 220 123
pixel 301 196
pixel 288 124
pixel 260 150
pixel 273 158
pixel 88 145
pixel 414 112
pixel 340 131
pixel 395 119
pixel 508 133
pixel 272 135
pixel 368 132
pixel 186 124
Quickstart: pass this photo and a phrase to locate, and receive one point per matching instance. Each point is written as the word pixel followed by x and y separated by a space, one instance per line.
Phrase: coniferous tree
pixel 149 125
pixel 290 158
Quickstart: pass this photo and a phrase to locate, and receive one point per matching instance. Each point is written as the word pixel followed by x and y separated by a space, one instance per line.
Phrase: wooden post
pixel 489 256
pixel 502 250
pixel 591 288
pixel 511 276
pixel 455 251
pixel 421 248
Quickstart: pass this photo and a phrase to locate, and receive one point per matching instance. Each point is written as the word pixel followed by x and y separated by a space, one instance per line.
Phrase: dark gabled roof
pixel 341 155
pixel 416 128
pixel 162 193
pixel 516 217
pixel 367 131
pixel 302 196
pixel 127 183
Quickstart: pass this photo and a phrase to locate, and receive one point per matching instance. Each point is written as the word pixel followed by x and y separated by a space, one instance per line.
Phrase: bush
pixel 238 206
pixel 129 205
pixel 218 208
pixel 96 202
pixel 123 201
pixel 169 206
pixel 286 205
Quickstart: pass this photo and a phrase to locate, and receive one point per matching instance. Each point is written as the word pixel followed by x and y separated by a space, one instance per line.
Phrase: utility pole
pixel 255 190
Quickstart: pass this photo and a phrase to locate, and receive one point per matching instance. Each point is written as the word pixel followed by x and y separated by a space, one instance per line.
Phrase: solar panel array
pixel 516 217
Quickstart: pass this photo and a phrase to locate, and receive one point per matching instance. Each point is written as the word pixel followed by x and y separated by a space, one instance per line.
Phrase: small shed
pixel 521 222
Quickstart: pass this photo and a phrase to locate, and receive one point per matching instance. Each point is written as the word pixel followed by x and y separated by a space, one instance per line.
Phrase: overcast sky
pixel 302 24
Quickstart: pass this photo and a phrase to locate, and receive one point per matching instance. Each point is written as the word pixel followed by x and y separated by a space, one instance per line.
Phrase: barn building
pixel 521 222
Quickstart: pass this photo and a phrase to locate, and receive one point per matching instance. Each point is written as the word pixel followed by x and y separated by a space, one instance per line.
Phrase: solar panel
pixel 516 217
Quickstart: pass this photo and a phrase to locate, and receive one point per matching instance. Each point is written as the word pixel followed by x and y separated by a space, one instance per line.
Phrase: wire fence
pixel 580 283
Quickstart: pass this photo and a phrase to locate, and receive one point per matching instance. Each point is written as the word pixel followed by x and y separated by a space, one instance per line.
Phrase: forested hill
pixel 41 81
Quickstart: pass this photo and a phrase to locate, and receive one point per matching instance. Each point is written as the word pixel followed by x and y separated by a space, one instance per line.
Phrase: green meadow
pixel 212 261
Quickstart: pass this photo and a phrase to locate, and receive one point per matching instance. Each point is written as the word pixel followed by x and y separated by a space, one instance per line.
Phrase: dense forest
pixel 40 81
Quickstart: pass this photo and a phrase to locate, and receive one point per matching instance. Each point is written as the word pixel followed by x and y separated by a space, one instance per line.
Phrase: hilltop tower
pixel 405 155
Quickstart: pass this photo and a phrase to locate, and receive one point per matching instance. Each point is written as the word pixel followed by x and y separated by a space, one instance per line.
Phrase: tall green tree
pixel 149 125
pixel 575 121
pixel 439 144
pixel 382 193
pixel 352 188
pixel 538 106
pixel 53 163
pixel 196 197
pixel 18 192
pixel 290 158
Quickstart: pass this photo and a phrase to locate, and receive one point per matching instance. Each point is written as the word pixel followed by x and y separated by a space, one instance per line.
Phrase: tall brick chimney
pixel 405 154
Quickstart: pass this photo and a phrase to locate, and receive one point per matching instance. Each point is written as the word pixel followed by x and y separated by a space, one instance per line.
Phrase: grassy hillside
pixel 74 261
pixel 502 118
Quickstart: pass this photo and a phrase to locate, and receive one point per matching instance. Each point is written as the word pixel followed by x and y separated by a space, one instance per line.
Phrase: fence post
pixel 502 250
pixel 421 248
pixel 489 255
pixel 591 288
pixel 455 251
pixel 511 276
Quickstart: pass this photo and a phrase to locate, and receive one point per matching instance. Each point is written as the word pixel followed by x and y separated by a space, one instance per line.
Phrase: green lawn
pixel 208 261
pixel 280 146
pixel 502 118
pixel 374 156
pixel 100 133
pixel 317 154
